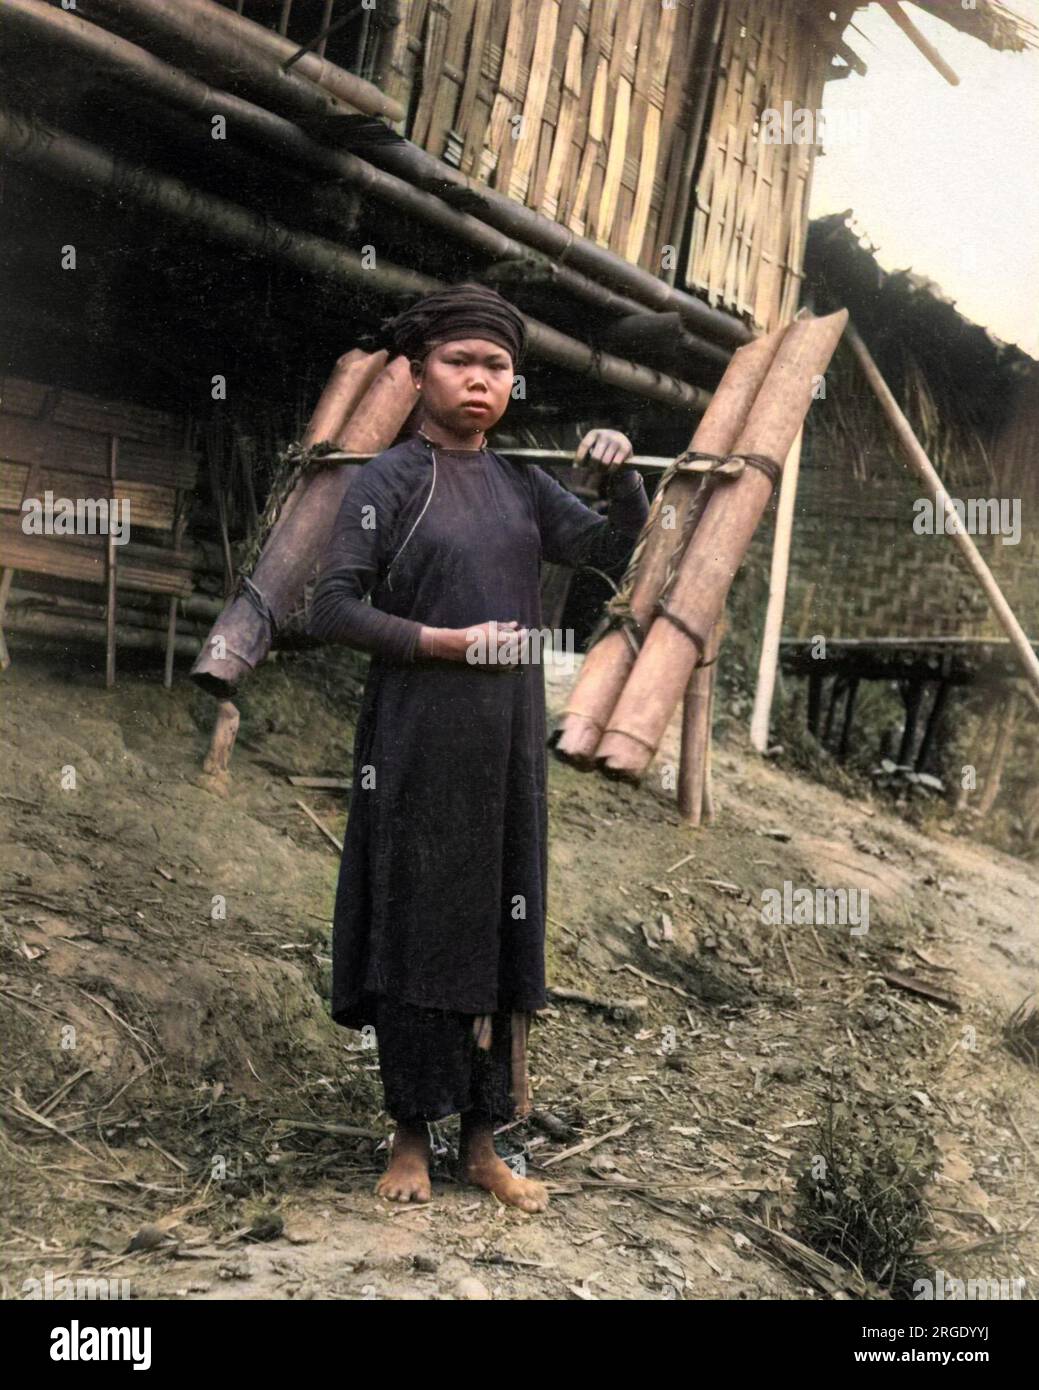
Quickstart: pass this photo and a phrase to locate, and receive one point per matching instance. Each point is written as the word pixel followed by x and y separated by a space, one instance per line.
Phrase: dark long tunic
pixel 441 895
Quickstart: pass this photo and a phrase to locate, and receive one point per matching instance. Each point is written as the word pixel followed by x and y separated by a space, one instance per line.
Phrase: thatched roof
pixel 956 381
pixel 991 22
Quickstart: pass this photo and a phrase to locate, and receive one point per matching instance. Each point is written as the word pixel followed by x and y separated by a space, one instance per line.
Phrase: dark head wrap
pixel 463 311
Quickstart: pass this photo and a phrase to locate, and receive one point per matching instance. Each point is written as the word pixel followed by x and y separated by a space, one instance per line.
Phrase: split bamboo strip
pixel 714 553
pixel 525 143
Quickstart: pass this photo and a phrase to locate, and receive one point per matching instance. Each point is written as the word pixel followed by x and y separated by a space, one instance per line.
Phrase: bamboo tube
pixel 926 472
pixel 241 638
pixel 351 377
pixel 246 47
pixel 768 662
pixel 696 732
pixel 715 551
pixel 137 72
pixel 338 401
pixel 606 666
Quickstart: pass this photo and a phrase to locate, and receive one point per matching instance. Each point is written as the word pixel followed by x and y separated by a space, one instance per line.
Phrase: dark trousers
pixel 431 1067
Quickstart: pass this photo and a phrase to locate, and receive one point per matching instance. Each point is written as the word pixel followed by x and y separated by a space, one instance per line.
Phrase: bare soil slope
pixel 172 1081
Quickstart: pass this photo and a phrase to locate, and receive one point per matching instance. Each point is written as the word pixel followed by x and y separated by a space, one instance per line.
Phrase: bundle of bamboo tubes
pixel 696 537
pixel 362 409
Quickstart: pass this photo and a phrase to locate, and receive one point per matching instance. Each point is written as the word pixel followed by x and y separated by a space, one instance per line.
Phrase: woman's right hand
pixel 491 643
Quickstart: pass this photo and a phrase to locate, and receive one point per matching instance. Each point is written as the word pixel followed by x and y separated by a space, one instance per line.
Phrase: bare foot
pixel 407 1177
pixel 481 1166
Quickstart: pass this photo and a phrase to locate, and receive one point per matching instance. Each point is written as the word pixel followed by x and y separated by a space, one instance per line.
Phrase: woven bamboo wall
pixel 580 109
pixel 858 569
pixel 751 214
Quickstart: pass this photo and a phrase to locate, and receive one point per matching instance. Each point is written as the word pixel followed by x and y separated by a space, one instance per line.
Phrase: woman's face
pixel 466 384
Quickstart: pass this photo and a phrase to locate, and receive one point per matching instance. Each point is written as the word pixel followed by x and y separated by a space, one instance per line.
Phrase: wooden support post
pixel 111 565
pixel 815 702
pixel 180 522
pixel 5 589
pixel 1003 744
pixel 911 697
pixel 555 589
pixel 837 689
pixel 941 695
pixel 215 774
pixel 326 19
pixel 768 662
pixel 216 487
pixel 849 716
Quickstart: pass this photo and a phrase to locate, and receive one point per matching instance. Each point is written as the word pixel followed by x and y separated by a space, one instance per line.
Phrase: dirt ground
pixel 179 1111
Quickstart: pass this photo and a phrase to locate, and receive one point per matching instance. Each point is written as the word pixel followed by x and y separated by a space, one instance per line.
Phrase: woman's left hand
pixel 609 448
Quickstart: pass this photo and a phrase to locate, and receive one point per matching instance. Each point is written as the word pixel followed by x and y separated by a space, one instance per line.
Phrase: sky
pixel 943 180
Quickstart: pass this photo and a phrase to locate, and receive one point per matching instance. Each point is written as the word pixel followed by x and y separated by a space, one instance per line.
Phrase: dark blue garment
pixel 441 896
pixel 431 1067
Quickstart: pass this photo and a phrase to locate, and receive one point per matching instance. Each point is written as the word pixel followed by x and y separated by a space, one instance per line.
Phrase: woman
pixel 439 922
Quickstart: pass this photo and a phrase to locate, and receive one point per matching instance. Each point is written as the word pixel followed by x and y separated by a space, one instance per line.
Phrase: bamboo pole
pixel 64 156
pixel 246 47
pixel 222 52
pixel 606 666
pixel 696 732
pixel 715 552
pixel 926 472
pixel 707 815
pixel 57 625
pixel 924 45
pixel 136 71
pixel 768 662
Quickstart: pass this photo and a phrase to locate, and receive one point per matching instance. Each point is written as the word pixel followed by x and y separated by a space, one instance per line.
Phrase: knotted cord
pixel 713 468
